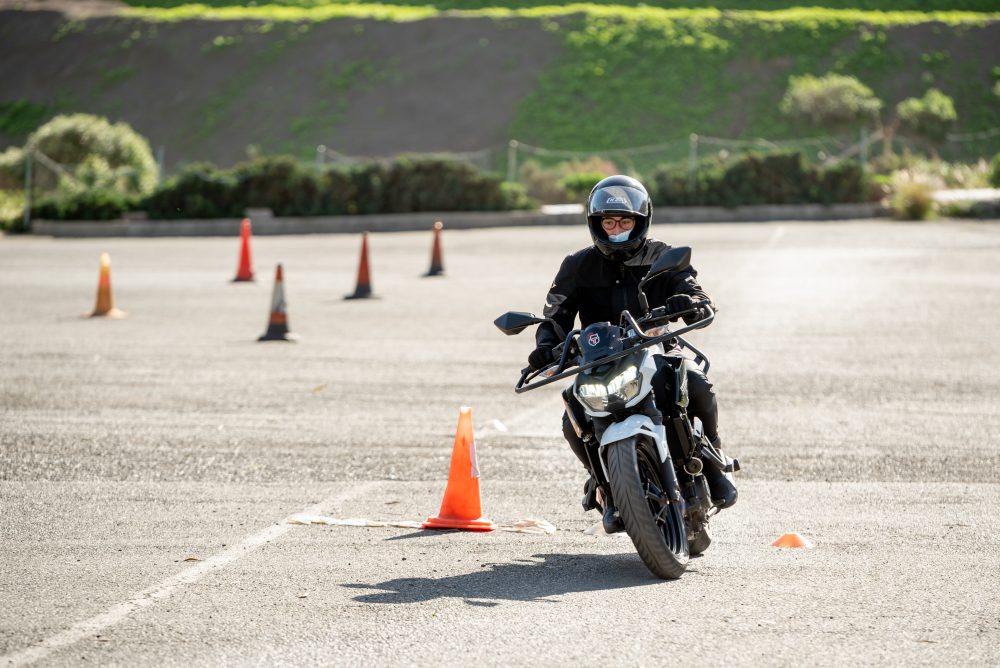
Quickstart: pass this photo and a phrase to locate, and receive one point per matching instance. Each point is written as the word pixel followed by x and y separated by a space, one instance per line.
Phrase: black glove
pixel 541 357
pixel 678 304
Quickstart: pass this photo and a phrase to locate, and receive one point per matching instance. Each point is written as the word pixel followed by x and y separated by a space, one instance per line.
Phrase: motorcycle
pixel 648 460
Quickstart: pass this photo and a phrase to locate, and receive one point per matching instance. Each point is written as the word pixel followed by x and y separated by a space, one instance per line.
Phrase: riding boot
pixel 720 483
pixel 589 500
pixel 612 521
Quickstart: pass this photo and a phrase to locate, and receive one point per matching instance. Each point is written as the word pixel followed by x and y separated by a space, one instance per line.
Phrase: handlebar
pixel 557 372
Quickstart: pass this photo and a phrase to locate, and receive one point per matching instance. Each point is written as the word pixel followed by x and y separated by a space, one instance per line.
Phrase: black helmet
pixel 619 196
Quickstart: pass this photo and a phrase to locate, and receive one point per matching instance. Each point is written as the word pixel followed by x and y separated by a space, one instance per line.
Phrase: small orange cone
pixel 105 306
pixel 364 287
pixel 277 326
pixel 460 508
pixel 791 540
pixel 245 271
pixel 437 266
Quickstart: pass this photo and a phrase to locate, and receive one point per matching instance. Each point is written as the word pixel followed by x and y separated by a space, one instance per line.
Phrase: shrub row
pixel 291 188
pixel 780 178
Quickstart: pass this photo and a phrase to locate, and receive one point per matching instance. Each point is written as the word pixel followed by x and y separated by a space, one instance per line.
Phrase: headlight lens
pixel 623 387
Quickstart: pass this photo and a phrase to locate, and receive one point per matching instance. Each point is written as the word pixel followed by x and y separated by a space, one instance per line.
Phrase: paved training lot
pixel 147 465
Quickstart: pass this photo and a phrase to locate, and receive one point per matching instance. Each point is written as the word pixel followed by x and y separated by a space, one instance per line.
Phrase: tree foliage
pixel 114 154
pixel 930 116
pixel 831 101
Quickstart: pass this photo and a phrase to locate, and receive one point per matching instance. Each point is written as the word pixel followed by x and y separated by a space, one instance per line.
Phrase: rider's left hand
pixel 679 304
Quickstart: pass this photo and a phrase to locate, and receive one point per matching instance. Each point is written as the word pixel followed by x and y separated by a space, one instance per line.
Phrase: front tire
pixel 657 530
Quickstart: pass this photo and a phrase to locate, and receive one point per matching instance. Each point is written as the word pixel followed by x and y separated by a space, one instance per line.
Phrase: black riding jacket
pixel 599 288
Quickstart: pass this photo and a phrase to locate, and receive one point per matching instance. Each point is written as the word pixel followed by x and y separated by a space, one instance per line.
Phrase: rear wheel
pixel 656 528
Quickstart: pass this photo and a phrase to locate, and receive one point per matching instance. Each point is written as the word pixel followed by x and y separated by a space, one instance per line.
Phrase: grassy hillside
pixel 375 79
pixel 657 75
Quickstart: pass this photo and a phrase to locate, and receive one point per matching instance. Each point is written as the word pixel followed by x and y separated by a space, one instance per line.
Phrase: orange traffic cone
pixel 437 266
pixel 277 326
pixel 105 306
pixel 364 287
pixel 791 540
pixel 460 508
pixel 245 271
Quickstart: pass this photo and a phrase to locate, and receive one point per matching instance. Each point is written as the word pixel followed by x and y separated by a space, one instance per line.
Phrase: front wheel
pixel 656 528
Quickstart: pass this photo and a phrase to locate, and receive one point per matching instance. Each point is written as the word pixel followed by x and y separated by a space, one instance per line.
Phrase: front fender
pixel 637 425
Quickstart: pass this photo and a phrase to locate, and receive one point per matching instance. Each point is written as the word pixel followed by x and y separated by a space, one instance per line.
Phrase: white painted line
pixel 149 596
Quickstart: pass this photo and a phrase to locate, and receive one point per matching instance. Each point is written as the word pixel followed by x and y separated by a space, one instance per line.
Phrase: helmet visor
pixel 617 199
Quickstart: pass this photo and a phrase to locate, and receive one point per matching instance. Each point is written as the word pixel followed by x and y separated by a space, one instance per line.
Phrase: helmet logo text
pixel 617 200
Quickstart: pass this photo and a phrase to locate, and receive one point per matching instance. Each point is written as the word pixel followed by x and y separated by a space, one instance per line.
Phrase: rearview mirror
pixel 674 259
pixel 515 322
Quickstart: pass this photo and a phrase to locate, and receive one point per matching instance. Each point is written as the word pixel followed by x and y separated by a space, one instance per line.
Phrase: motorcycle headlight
pixel 595 395
pixel 624 387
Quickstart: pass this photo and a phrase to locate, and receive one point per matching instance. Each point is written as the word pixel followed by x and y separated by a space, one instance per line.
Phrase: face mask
pixel 618 238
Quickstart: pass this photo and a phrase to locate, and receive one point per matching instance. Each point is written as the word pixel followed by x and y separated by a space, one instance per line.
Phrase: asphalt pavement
pixel 149 466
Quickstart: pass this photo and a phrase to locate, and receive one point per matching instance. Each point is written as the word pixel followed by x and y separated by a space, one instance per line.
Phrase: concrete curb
pixel 266 224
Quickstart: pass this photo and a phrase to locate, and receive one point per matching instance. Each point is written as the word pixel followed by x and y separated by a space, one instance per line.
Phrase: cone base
pixel 113 314
pixel 481 524
pixel 278 333
pixel 243 279
pixel 361 294
pixel 434 272
pixel 291 338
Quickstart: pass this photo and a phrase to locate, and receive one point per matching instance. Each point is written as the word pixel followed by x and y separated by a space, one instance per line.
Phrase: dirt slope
pixel 207 89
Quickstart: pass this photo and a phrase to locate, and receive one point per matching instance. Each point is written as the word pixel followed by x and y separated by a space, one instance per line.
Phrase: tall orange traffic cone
pixel 277 326
pixel 245 271
pixel 437 266
pixel 105 306
pixel 364 287
pixel 460 508
pixel 791 540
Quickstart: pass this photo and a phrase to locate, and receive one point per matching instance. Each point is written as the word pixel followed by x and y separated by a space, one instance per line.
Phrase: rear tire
pixel 662 545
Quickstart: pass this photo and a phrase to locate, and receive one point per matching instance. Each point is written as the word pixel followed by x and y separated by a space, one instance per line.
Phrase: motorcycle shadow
pixel 536 579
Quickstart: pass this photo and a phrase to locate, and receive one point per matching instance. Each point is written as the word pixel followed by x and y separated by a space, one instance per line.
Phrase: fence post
pixel 321 155
pixel 27 188
pixel 512 160
pixel 692 159
pixel 863 151
pixel 161 154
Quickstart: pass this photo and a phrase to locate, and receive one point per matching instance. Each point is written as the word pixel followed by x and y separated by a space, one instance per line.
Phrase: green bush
pixel 995 171
pixel 912 197
pixel 200 191
pixel 830 101
pixel 292 188
pixel 93 204
pixel 71 140
pixel 280 183
pixel 568 181
pixel 986 210
pixel 778 178
pixel 438 184
pixel 929 116
pixel 12 169
pixel 579 184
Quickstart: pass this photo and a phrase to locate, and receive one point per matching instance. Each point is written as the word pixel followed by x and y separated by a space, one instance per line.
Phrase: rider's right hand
pixel 540 357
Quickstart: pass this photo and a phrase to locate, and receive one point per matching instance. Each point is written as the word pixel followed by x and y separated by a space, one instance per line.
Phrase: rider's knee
pixel 698 383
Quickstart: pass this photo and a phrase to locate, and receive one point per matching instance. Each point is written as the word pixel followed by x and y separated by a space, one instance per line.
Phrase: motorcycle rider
pixel 598 283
